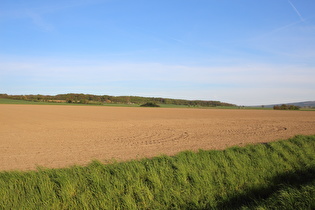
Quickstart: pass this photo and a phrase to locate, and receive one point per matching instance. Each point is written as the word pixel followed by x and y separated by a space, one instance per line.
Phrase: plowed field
pixel 59 136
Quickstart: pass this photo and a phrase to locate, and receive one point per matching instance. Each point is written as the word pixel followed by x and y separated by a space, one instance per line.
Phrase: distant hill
pixel 106 99
pixel 300 104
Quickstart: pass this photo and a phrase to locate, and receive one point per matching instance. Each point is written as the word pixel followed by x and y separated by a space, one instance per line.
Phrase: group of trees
pixel 88 98
pixel 150 104
pixel 286 107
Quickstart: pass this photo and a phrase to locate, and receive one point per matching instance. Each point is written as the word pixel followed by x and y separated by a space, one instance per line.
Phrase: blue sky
pixel 238 51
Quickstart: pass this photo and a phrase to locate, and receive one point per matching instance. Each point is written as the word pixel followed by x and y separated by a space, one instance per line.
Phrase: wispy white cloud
pixel 38 11
pixel 246 73
pixel 39 21
pixel 297 12
pixel 250 83
pixel 274 31
pixel 18 10
pixel 177 40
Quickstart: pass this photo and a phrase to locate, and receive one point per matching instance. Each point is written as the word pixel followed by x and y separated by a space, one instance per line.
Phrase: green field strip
pixel 271 175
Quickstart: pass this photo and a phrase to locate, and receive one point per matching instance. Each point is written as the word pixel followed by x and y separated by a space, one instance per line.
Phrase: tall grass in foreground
pixel 272 175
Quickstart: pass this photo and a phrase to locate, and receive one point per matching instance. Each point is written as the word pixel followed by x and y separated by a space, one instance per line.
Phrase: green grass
pixel 277 175
pixel 13 101
pixel 307 109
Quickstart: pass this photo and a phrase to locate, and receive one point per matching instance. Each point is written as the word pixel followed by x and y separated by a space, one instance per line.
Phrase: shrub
pixel 150 104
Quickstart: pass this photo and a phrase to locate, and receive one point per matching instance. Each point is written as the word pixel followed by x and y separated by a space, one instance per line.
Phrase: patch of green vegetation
pixel 175 106
pixel 13 101
pixel 121 105
pixel 307 109
pixel 277 175
pixel 257 108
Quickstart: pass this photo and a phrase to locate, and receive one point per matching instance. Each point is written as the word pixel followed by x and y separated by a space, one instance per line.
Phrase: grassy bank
pixel 272 175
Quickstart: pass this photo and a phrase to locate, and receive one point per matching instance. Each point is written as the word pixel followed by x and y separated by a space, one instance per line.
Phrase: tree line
pixel 286 107
pixel 103 99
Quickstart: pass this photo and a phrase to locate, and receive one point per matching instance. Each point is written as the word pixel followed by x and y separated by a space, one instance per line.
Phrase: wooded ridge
pixel 106 99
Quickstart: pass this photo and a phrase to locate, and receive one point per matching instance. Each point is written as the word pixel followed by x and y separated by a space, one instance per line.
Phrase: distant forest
pixel 106 99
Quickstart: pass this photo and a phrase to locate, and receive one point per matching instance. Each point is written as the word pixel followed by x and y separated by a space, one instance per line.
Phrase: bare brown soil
pixel 60 136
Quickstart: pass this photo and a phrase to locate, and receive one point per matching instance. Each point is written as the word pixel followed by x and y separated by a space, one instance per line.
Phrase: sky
pixel 243 52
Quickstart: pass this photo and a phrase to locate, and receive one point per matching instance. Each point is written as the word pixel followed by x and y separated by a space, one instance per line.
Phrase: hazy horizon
pixel 240 52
